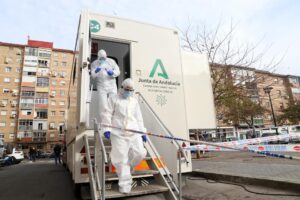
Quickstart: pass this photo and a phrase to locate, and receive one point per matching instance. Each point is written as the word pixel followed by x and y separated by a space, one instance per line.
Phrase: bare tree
pixel 232 64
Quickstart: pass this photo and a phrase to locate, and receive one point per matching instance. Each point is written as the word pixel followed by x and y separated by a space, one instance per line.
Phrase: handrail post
pixel 104 158
pixel 180 175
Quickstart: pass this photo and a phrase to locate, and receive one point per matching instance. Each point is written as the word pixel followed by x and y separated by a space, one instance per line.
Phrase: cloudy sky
pixel 274 22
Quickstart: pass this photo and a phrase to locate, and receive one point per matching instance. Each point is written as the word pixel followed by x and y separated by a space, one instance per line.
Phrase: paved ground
pixel 245 157
pixel 249 165
pixel 34 181
pixel 43 180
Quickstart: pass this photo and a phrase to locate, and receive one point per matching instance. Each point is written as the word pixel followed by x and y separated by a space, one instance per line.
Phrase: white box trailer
pixel 152 57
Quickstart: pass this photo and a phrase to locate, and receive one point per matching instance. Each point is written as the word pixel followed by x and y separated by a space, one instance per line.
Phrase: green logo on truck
pixel 163 73
pixel 94 26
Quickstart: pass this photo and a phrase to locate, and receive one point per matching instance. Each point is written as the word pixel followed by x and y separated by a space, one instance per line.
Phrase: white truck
pixel 173 87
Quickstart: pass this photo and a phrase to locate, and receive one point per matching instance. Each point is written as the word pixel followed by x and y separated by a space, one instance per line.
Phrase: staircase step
pixel 137 174
pixel 137 191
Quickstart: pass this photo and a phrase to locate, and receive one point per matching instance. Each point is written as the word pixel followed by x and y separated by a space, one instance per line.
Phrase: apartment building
pixel 11 63
pixel 41 93
pixel 254 82
pixel 294 92
pixel 279 95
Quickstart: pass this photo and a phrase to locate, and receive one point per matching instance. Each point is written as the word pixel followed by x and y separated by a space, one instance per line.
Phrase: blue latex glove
pixel 144 137
pixel 107 134
pixel 98 69
pixel 110 73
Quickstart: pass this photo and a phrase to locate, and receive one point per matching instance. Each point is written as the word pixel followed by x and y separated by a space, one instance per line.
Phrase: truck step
pixel 137 191
pixel 137 174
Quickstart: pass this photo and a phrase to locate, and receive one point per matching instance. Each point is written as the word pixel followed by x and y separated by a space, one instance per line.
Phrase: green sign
pixel 94 26
pixel 159 63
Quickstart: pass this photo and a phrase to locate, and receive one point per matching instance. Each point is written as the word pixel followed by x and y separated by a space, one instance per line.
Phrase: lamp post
pixel 268 91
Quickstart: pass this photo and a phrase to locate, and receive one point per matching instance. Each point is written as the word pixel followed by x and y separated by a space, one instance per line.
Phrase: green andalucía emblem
pixel 94 26
pixel 160 64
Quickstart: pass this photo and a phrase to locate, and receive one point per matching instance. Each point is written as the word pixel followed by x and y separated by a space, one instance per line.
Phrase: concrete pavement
pixel 250 169
pixel 34 181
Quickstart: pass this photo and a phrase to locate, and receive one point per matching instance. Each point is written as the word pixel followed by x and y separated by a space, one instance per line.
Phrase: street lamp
pixel 268 91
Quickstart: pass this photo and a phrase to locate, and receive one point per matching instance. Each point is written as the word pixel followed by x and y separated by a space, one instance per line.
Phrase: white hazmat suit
pixel 104 71
pixel 127 148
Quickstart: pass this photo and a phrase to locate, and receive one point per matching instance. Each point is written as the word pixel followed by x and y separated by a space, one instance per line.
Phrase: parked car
pixel 294 129
pixel 17 154
pixel 2 150
pixel 41 154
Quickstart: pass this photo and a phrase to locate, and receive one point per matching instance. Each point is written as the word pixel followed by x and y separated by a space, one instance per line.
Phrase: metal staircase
pixel 104 183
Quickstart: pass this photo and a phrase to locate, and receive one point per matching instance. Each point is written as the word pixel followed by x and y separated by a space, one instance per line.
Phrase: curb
pixel 277 184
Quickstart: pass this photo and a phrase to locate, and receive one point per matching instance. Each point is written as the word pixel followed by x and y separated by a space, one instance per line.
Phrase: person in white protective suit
pixel 127 147
pixel 104 71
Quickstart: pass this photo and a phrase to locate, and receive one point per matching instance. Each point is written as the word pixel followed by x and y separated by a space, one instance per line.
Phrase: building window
pixel 5 90
pixel 1 136
pixel 6 80
pixel 44 53
pixel 18 60
pixel 18 69
pixel 41 101
pixel 62 93
pixel 281 106
pixel 25 124
pixel 64 55
pixel 40 126
pixel 62 113
pixel 276 80
pixel 279 93
pixel 53 103
pixel 42 114
pixel 63 74
pixel 42 82
pixel 55 54
pixel 53 82
pixel 61 128
pixel 26 112
pixel 27 93
pixel 62 83
pixel 4 101
pixel 52 113
pixel 17 80
pixel 43 63
pixel 12 124
pixel 61 103
pixel 64 64
pixel 2 124
pixel 55 63
pixel 7 69
pixel 8 60
pixel 52 125
pixel 29 73
pixel 53 93
pixel 11 136
pixel 31 51
pixel 3 112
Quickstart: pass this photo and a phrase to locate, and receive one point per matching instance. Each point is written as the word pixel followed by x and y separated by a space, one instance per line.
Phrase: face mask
pixel 101 60
pixel 127 94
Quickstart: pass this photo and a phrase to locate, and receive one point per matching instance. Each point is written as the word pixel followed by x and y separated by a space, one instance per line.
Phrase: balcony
pixel 25 139
pixel 25 128
pixel 43 63
pixel 40 136
pixel 39 139
pixel 27 105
